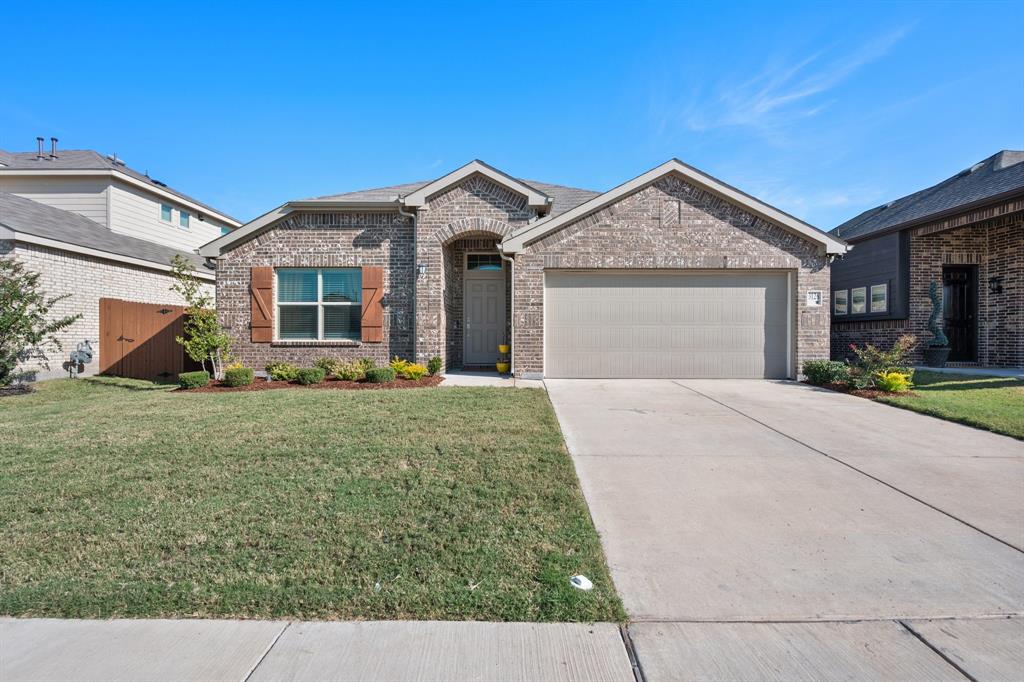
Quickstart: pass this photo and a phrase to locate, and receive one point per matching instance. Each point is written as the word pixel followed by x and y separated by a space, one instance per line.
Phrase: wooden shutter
pixel 373 311
pixel 261 294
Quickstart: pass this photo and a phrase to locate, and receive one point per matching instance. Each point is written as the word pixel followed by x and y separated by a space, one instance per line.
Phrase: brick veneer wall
pixel 997 248
pixel 475 209
pixel 670 224
pixel 88 280
pixel 337 239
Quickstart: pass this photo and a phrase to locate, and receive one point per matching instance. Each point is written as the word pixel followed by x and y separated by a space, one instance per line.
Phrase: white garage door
pixel 666 325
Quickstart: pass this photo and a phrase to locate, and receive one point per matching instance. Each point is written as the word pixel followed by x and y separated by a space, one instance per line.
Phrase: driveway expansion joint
pixel 937 651
pixel 634 660
pixel 267 652
pixel 853 468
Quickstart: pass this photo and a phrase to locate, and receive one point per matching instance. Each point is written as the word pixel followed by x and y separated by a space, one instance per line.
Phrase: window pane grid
pixel 319 304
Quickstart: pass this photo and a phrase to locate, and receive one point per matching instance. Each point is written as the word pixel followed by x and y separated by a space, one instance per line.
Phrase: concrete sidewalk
pixel 113 650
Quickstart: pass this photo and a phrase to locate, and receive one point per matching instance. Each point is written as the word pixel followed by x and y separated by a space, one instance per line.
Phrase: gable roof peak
pixel 534 197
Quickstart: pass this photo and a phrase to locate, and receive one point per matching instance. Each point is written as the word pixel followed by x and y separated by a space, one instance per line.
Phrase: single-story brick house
pixel 671 274
pixel 965 233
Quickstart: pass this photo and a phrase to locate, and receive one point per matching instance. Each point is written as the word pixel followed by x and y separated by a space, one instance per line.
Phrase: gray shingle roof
pixel 31 217
pixel 565 198
pixel 998 174
pixel 87 159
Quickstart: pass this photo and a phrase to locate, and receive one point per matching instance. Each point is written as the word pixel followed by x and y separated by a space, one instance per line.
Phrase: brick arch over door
pixel 476 226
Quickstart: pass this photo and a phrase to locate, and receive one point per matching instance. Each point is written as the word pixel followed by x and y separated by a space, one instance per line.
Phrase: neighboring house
pixel 94 228
pixel 965 233
pixel 672 274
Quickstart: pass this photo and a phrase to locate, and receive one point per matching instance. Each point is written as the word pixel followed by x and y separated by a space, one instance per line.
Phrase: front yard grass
pixel 991 403
pixel 122 498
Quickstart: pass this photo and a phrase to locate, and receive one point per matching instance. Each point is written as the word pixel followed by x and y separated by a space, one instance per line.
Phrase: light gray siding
pixel 666 324
pixel 81 195
pixel 137 213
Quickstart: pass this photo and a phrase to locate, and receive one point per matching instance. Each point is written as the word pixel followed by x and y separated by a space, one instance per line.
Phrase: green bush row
pixel 194 379
pixel 238 376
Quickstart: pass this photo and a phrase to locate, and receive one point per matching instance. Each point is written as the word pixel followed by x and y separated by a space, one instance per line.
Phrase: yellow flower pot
pixel 503 348
pixel 503 367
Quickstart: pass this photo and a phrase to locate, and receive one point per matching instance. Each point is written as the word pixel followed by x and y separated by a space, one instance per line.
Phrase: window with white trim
pixel 840 302
pixel 165 212
pixel 879 298
pixel 183 217
pixel 858 300
pixel 319 304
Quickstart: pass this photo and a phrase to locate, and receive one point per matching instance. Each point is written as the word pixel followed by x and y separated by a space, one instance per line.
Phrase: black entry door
pixel 960 310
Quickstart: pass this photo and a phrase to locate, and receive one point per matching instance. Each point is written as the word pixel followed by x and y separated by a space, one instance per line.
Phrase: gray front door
pixel 484 315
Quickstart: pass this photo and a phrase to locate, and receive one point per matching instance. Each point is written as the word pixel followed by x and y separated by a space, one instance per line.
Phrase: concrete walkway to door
pixel 770 529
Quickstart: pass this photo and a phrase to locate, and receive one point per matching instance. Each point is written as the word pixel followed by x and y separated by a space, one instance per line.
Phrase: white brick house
pixel 95 228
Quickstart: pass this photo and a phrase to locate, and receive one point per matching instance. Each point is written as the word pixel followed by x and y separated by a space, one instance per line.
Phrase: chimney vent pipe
pixel 53 147
pixel 39 153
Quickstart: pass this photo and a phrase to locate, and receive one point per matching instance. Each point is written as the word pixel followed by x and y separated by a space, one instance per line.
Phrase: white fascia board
pixel 535 198
pixel 95 253
pixel 125 178
pixel 213 249
pixel 530 233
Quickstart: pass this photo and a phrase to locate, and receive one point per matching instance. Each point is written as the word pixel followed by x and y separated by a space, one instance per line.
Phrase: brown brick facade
pixel 996 247
pixel 323 240
pixel 670 224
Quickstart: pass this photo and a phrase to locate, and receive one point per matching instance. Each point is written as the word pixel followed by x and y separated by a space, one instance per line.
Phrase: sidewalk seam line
pixel 941 655
pixel 851 467
pixel 634 659
pixel 812 621
pixel 267 652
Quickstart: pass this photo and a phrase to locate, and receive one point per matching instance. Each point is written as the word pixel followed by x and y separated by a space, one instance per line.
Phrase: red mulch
pixel 262 385
pixel 869 393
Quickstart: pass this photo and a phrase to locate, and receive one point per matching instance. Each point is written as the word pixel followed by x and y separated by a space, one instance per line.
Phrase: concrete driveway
pixel 790 529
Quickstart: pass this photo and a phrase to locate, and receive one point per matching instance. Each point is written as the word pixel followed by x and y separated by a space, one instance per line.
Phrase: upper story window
pixel 858 300
pixel 165 212
pixel 879 298
pixel 319 304
pixel 840 302
pixel 183 218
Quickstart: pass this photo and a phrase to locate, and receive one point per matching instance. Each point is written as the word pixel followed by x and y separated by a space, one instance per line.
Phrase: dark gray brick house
pixel 671 274
pixel 965 233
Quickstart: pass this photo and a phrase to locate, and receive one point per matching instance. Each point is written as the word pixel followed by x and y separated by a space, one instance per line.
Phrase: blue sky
pixel 820 109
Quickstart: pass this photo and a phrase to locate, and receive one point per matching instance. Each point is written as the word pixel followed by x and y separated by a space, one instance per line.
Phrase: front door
pixel 960 311
pixel 483 309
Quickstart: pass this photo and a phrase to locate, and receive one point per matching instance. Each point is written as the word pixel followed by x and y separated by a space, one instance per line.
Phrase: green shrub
pixel 821 372
pixel 350 371
pixel 366 363
pixel 871 361
pixel 282 371
pixel 310 375
pixel 894 382
pixel 434 365
pixel 330 366
pixel 194 379
pixel 238 376
pixel 380 375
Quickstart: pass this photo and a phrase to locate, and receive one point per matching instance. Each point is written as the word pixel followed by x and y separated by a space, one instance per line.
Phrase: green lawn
pixel 120 498
pixel 991 403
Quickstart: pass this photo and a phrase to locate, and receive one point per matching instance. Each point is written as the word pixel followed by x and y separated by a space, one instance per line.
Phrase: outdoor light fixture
pixel 421 269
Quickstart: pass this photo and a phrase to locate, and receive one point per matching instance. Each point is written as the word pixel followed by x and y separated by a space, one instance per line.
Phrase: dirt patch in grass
pixel 261 385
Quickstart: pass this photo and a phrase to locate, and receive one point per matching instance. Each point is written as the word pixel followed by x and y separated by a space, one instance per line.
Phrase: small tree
pixel 204 339
pixel 25 324
pixel 938 339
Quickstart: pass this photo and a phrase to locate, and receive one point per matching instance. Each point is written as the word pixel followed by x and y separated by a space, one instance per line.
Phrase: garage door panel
pixel 666 325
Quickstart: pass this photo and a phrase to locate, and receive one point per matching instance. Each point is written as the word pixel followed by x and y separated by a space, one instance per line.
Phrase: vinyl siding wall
pixel 136 213
pixel 85 196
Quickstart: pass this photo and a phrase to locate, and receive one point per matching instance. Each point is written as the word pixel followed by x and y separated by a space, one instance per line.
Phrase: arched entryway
pixel 477 300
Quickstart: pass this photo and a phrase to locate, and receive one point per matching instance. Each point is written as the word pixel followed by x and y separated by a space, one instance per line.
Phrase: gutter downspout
pixel 512 312
pixel 415 271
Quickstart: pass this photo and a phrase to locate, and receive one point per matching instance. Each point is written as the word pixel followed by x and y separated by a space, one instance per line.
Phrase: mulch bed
pixel 869 393
pixel 262 385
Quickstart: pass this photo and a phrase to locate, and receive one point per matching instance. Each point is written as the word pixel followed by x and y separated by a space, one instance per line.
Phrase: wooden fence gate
pixel 137 340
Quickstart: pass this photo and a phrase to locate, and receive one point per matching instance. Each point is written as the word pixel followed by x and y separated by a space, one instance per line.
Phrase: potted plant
pixel 503 365
pixel 936 351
